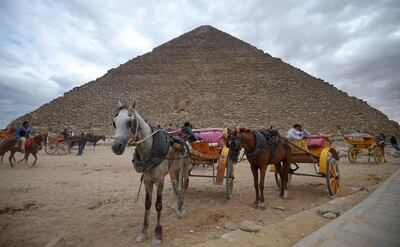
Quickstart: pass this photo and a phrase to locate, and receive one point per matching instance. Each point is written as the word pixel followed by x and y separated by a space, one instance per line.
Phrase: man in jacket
pixel 22 134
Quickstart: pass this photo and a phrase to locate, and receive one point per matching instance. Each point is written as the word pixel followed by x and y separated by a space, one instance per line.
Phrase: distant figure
pixel 22 134
pixel 65 134
pixel 187 130
pixel 297 133
pixel 394 143
pixel 81 143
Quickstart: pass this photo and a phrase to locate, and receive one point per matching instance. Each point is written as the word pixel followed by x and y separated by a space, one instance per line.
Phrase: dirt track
pixel 89 201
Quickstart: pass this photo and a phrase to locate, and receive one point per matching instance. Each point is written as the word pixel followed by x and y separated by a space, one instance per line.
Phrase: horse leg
pixel 149 192
pixel 173 175
pixel 263 169
pixel 158 230
pixel 254 171
pixel 285 179
pixel 181 191
pixel 26 155
pixel 34 162
pixel 279 168
pixel 11 158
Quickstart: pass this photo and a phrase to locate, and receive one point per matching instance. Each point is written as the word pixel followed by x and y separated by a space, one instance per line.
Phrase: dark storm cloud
pixel 48 47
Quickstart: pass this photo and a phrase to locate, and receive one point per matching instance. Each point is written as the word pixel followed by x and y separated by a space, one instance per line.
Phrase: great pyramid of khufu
pixel 212 79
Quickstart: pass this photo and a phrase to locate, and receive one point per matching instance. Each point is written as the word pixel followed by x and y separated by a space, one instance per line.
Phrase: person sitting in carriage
pixel 187 130
pixel 65 133
pixel 22 134
pixel 297 133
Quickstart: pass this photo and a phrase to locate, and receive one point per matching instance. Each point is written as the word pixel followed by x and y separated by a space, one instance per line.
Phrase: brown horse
pixel 260 155
pixel 11 144
pixel 91 138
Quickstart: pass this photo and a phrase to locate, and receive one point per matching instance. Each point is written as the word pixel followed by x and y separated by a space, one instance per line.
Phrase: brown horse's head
pixel 37 142
pixel 233 140
pixel 243 136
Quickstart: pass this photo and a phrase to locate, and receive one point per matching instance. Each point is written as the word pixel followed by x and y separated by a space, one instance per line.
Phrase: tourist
pixel 65 134
pixel 394 143
pixel 22 134
pixel 297 133
pixel 81 143
pixel 187 130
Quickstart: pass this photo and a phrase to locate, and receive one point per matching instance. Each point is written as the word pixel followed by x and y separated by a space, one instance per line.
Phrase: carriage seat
pixel 359 137
pixel 317 141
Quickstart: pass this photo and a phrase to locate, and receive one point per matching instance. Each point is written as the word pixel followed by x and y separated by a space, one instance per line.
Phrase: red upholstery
pixel 316 141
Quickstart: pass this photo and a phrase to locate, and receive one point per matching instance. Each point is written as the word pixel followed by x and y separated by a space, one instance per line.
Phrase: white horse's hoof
pixel 261 206
pixel 156 241
pixel 180 213
pixel 142 237
pixel 285 194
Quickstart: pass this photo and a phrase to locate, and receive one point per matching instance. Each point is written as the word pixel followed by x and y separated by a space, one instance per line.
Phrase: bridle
pixel 234 144
pixel 134 127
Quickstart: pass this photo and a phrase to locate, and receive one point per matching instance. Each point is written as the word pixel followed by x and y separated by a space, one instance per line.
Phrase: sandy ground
pixel 89 200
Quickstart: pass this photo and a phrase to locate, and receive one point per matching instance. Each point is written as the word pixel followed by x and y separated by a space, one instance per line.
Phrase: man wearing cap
pixel 297 133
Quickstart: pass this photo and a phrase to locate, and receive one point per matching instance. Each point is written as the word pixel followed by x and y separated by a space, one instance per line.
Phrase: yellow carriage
pixel 360 142
pixel 316 150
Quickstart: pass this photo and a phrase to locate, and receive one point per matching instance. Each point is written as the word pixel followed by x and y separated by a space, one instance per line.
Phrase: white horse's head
pixel 125 123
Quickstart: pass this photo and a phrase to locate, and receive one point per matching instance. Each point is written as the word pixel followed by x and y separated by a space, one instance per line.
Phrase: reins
pixel 135 134
pixel 134 143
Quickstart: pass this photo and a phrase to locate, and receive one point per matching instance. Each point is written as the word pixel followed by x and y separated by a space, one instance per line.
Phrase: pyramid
pixel 211 79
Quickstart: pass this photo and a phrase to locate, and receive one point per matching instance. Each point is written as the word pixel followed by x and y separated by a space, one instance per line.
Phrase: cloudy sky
pixel 48 47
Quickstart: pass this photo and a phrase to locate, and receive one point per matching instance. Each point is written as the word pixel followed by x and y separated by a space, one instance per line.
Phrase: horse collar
pixel 260 145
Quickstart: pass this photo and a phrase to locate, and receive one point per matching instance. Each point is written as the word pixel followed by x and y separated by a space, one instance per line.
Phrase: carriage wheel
pixel 279 181
pixel 229 179
pixel 378 155
pixel 352 155
pixel 50 148
pixel 332 176
pixel 63 148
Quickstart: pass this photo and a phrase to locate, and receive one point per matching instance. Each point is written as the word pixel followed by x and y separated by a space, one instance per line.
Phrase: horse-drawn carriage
pixel 359 142
pixel 318 151
pixel 56 144
pixel 210 149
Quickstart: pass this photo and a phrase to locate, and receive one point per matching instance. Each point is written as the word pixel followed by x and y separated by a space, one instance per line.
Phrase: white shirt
pixel 294 134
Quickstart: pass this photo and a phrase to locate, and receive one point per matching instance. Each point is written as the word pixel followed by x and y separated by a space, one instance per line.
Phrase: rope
pixel 140 187
pixel 133 143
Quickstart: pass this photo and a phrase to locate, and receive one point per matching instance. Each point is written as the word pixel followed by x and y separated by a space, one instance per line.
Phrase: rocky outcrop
pixel 210 78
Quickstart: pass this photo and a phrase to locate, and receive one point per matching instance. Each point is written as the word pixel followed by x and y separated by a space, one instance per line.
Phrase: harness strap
pixel 134 143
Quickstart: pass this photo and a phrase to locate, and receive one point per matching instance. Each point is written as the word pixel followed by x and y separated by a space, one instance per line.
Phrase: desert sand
pixel 89 201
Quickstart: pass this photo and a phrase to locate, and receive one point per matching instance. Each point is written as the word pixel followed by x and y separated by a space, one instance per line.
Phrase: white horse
pixel 129 124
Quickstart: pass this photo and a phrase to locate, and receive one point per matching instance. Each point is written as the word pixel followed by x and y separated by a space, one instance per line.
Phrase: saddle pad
pixel 28 143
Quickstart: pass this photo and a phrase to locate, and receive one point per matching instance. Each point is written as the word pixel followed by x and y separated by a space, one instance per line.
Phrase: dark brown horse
pixel 91 138
pixel 11 144
pixel 260 155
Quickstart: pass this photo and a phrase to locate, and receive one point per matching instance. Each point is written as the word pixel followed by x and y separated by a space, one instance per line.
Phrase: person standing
pixel 81 143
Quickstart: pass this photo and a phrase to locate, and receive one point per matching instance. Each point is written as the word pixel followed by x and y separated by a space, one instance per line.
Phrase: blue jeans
pixel 80 149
